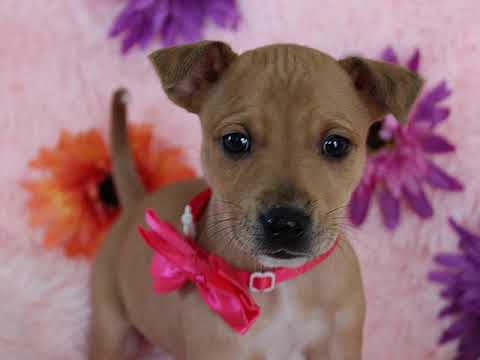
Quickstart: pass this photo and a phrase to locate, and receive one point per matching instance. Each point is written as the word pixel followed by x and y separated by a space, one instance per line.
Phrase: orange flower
pixel 76 202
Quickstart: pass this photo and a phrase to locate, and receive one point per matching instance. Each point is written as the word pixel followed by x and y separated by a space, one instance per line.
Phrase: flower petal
pixel 414 62
pixel 185 22
pixel 121 22
pixel 462 232
pixel 418 202
pixel 438 178
pixel 451 292
pixel 160 15
pixel 390 208
pixel 469 346
pixel 389 55
pixel 224 13
pixel 438 93
pixel 169 32
pixel 443 277
pixel 465 235
pixel 449 310
pixel 449 260
pixel 439 114
pixel 134 34
pixel 359 205
pixel 176 21
pixel 141 5
pixel 435 144
pixel 471 298
pixel 426 109
pixel 453 331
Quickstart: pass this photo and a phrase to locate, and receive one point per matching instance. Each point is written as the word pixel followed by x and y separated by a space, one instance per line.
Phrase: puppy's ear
pixel 189 72
pixel 385 88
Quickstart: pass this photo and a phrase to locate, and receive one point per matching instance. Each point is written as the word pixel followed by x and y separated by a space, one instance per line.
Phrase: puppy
pixel 284 144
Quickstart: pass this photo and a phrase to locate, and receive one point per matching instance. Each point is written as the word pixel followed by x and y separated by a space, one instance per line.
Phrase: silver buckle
pixel 188 225
pixel 261 275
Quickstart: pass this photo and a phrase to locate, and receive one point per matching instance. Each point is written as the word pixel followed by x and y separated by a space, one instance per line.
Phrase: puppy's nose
pixel 284 223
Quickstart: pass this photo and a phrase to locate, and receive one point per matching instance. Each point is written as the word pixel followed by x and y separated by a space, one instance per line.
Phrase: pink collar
pixel 179 260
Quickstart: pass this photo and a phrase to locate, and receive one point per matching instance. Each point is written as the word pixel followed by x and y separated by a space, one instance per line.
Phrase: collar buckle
pixel 188 223
pixel 261 275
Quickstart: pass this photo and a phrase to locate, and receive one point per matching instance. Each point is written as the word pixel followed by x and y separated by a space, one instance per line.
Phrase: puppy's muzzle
pixel 286 232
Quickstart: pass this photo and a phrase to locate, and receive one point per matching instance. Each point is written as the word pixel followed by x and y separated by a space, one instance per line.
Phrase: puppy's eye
pixel 336 147
pixel 236 143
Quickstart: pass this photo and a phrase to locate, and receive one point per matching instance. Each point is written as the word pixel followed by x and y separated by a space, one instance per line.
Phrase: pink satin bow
pixel 179 260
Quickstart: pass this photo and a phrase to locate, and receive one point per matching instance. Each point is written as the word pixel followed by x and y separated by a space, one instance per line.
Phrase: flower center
pixel 374 141
pixel 107 193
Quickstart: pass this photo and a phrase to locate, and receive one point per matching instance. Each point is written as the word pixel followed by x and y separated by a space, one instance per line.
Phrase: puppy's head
pixel 284 137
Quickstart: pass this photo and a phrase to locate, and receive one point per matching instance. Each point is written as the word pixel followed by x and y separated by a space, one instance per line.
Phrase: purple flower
pixel 175 21
pixel 402 166
pixel 460 279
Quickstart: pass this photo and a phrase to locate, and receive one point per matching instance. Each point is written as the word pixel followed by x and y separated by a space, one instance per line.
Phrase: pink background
pixel 57 70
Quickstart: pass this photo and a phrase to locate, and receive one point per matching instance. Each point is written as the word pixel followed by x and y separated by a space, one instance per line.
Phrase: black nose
pixel 285 223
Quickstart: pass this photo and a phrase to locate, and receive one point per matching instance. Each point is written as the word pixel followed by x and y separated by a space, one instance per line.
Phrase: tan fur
pixel 288 98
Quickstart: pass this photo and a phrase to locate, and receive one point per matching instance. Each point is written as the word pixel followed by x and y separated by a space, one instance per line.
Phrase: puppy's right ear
pixel 189 72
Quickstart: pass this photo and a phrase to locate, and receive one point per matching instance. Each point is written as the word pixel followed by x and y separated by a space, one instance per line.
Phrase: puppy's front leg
pixel 109 334
pixel 345 342
pixel 348 332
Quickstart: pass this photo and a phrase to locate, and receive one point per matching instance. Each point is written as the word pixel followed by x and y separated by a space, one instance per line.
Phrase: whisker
pixel 216 231
pixel 336 209
pixel 221 221
pixel 223 201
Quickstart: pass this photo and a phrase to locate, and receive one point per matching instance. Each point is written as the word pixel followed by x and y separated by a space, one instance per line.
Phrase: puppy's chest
pixel 287 329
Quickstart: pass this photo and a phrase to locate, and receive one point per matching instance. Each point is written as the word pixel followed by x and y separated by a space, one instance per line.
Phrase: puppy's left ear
pixel 189 72
pixel 385 88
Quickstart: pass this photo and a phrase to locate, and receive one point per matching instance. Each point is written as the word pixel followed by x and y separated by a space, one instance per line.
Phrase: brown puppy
pixel 284 144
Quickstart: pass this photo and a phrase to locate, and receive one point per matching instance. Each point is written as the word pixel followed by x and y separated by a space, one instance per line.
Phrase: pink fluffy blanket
pixel 58 71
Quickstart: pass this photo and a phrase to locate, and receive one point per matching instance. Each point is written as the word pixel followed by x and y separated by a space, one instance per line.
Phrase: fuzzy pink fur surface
pixel 58 71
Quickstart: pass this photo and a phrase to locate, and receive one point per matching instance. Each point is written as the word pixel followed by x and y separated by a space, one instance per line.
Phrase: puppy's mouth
pixel 283 258
pixel 285 254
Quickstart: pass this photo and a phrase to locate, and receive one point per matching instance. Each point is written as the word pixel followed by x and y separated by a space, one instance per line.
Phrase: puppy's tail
pixel 128 185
